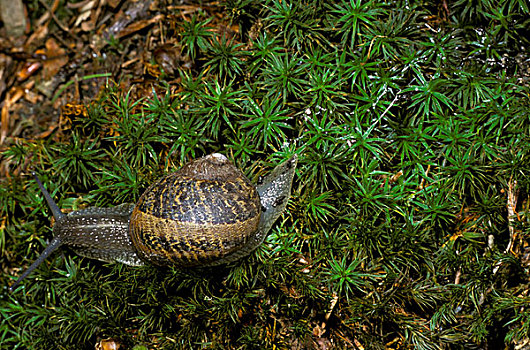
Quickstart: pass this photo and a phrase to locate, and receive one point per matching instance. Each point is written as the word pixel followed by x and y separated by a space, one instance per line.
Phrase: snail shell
pixel 198 215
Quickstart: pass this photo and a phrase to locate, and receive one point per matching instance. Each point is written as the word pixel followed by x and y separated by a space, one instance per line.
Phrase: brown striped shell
pixel 198 215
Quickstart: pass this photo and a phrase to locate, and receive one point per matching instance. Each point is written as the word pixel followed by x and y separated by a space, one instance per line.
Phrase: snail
pixel 205 214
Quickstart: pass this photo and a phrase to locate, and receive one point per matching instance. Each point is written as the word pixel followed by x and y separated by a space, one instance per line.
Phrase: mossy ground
pixel 409 221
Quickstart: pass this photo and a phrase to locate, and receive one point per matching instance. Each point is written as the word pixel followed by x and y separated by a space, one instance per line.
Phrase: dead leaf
pixel 5 120
pixel 84 13
pixel 138 25
pixel 28 70
pixel 56 58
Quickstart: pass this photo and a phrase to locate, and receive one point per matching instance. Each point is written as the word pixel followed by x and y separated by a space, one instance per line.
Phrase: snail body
pixel 207 213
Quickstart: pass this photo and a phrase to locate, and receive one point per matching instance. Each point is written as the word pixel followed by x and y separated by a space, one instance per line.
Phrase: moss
pixel 411 127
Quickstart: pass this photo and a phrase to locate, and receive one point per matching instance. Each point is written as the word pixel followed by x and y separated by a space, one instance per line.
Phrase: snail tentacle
pixel 53 246
pixel 56 211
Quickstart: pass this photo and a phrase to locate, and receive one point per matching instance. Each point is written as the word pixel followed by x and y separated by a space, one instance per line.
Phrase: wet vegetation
pixel 409 222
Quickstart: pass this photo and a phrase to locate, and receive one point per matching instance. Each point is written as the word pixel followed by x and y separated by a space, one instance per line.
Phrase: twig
pixel 512 203
pixel 390 105
pixel 58 22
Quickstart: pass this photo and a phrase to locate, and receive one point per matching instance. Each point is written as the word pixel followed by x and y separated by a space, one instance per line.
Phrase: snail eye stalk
pixel 56 211
pixel 54 244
